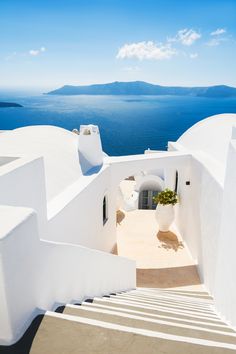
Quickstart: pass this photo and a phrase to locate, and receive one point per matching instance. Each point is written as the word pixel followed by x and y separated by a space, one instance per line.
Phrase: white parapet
pixel 37 275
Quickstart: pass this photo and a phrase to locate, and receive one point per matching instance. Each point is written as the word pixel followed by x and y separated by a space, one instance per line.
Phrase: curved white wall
pixel 57 146
pixel 149 182
pixel 225 292
pixel 206 213
pixel 211 136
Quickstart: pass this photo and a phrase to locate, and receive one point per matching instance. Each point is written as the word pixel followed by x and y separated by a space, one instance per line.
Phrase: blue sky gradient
pixel 50 43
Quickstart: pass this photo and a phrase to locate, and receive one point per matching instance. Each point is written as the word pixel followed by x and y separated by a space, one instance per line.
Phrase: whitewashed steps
pixel 175 320
pixel 156 310
pixel 179 305
pixel 151 324
pixel 201 295
pixel 140 321
pixel 65 334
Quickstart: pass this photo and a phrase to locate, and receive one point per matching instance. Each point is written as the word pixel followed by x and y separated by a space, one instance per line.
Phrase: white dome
pixel 59 148
pixel 211 135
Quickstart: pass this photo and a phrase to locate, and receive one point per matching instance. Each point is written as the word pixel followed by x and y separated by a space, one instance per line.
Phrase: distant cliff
pixel 144 88
pixel 9 104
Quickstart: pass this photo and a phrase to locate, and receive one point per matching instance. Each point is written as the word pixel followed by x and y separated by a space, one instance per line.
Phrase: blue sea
pixel 128 124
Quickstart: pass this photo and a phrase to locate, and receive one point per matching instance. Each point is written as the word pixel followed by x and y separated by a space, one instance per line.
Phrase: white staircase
pixel 143 321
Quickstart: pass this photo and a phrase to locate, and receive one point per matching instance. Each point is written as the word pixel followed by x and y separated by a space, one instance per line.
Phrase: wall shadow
pixel 120 215
pixel 115 250
pixel 168 277
pixel 86 168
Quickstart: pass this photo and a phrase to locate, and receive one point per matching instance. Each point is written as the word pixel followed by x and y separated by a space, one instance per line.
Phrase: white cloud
pixel 218 32
pixel 193 55
pixel 217 37
pixel 216 41
pixel 146 50
pixel 186 37
pixel 35 52
pixel 131 68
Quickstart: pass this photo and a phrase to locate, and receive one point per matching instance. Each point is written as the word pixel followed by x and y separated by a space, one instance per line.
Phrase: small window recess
pixel 105 210
pixel 176 181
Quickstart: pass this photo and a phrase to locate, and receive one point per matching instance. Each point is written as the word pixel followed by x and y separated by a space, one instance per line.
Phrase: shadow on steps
pixel 23 346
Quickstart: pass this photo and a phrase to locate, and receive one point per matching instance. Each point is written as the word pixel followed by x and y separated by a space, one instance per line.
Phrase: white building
pixel 59 193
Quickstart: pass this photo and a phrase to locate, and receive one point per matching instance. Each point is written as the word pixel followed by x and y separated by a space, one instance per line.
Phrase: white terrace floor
pixel 162 259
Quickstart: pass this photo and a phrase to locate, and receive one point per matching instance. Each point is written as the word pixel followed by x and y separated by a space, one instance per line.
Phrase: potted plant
pixel 165 201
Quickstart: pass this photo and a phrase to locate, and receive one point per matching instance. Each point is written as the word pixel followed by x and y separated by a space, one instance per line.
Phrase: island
pixel 9 104
pixel 145 88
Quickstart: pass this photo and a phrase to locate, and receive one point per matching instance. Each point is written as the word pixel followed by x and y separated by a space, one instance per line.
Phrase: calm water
pixel 128 124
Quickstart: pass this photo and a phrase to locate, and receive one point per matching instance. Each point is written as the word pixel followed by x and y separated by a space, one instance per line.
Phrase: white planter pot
pixel 165 216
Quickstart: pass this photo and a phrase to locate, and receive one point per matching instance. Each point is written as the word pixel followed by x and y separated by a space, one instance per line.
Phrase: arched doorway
pixel 148 187
pixel 138 193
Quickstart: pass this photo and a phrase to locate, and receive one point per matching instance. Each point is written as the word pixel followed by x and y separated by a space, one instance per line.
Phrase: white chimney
pixel 90 148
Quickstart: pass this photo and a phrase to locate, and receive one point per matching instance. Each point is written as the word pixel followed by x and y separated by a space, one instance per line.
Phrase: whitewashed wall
pixel 45 276
pixel 206 217
pixel 22 183
pixel 225 292
pixel 76 215
pixel 199 216
pixel 124 166
pixel 38 275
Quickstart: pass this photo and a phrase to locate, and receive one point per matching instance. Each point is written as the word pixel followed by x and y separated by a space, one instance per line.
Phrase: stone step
pixel 165 309
pixel 183 292
pixel 157 302
pixel 150 324
pixel 201 295
pixel 63 334
pixel 187 296
pixel 169 303
pixel 176 320
pixel 153 310
pixel 177 297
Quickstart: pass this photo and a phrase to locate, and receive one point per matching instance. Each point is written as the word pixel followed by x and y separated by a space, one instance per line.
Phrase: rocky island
pixel 9 104
pixel 145 88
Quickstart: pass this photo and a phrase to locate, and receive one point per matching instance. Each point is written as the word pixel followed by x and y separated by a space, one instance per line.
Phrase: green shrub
pixel 166 197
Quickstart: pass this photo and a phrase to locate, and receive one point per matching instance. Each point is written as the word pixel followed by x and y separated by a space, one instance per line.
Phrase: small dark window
pixel 104 210
pixel 176 181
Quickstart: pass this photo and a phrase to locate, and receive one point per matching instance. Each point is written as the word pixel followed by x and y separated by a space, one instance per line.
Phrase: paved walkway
pixel 162 259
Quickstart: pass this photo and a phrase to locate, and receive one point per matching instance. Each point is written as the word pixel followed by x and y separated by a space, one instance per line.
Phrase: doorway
pixel 146 199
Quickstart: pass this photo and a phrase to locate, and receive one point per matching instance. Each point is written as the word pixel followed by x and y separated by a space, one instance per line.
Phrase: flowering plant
pixel 166 197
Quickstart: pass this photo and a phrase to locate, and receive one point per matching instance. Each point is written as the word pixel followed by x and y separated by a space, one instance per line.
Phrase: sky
pixel 50 43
